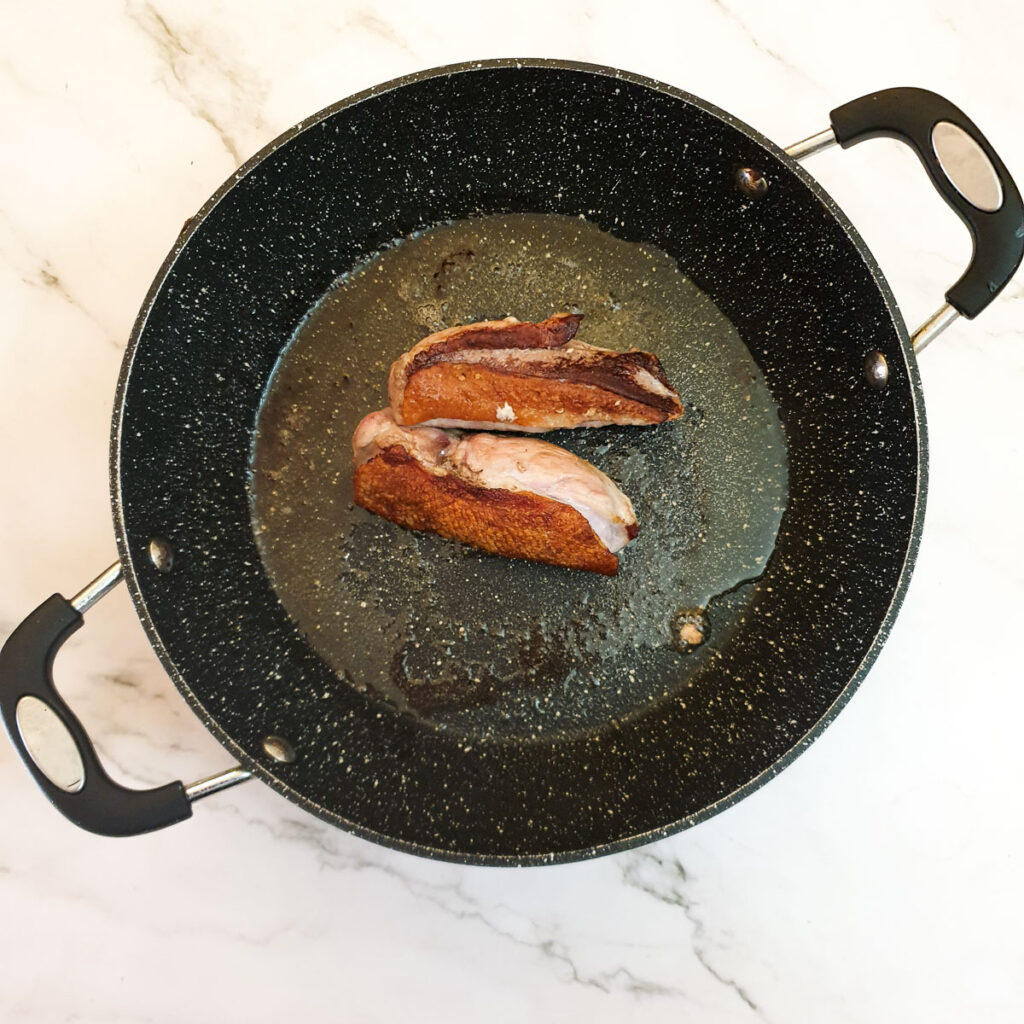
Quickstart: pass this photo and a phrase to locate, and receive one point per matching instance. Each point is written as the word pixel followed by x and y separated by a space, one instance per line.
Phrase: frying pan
pixel 457 705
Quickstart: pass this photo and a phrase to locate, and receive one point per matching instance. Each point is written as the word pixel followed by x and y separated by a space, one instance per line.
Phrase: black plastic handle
pixel 911 116
pixel 101 805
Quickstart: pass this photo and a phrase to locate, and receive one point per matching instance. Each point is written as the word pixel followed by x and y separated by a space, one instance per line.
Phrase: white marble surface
pixel 877 880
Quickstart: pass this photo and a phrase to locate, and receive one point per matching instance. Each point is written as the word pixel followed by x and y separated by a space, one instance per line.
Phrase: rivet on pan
pixel 161 554
pixel 876 370
pixel 690 628
pixel 279 749
pixel 750 182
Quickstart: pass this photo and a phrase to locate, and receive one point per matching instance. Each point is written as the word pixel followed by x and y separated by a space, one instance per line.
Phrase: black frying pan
pixel 467 707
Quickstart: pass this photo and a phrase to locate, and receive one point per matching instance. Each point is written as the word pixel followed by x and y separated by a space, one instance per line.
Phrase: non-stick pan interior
pixel 644 165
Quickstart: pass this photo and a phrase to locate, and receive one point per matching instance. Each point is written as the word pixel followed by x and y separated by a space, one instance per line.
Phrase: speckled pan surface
pixel 646 163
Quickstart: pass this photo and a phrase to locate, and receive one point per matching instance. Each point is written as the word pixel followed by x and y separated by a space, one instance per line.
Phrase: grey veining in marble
pixel 876 880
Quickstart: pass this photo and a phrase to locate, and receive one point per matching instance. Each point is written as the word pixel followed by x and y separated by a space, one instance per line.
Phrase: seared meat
pixel 517 497
pixel 510 375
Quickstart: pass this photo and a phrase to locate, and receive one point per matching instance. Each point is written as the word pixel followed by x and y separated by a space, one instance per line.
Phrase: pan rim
pixel 265 773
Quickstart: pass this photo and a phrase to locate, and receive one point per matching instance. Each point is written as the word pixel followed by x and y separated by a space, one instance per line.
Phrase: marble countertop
pixel 878 879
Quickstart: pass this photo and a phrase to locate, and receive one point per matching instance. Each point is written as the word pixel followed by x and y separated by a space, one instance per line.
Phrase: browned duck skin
pixel 513 496
pixel 527 377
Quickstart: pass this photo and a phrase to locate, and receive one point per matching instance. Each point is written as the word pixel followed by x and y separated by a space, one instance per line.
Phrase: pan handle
pixel 95 801
pixel 967 173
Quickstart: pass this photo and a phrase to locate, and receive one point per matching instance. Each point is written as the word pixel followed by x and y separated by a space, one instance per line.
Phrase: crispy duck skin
pixel 516 497
pixel 527 377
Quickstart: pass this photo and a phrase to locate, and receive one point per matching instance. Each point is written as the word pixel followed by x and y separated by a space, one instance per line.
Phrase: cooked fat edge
pixel 525 464
pixel 507 463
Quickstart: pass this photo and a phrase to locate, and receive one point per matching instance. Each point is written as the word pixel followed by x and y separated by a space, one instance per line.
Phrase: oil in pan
pixel 489 648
